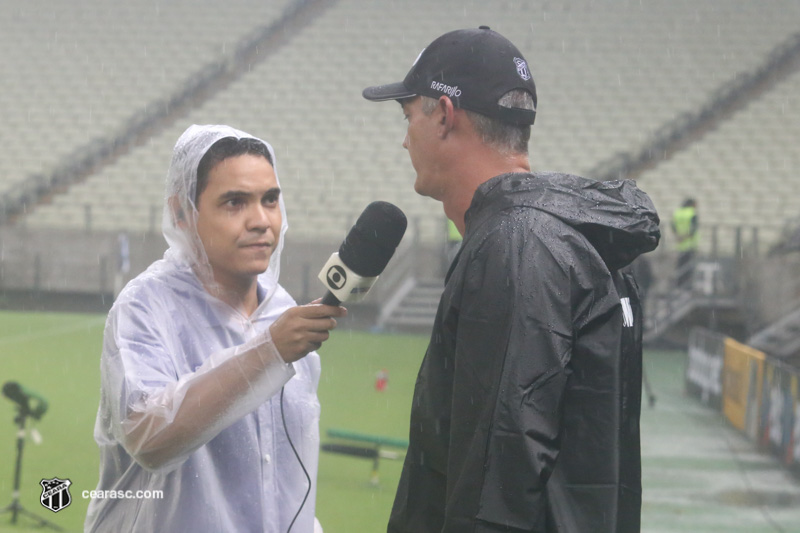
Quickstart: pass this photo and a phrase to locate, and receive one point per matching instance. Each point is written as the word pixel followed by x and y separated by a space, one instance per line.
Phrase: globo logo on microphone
pixel 343 283
pixel 337 277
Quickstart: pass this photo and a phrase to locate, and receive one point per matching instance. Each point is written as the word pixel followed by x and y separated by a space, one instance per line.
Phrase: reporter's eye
pixel 271 198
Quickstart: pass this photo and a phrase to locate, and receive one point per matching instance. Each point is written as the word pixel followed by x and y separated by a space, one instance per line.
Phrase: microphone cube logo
pixel 336 277
pixel 342 282
pixel 55 494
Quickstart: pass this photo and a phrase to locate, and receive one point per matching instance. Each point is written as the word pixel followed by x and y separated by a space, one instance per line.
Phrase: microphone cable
pixel 297 455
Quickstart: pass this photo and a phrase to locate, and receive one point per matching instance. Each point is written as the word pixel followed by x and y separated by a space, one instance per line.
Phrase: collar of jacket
pixel 616 216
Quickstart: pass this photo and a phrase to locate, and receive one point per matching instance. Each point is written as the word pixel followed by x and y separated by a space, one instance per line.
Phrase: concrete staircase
pixel 671 316
pixel 414 307
pixel 780 339
pixel 711 300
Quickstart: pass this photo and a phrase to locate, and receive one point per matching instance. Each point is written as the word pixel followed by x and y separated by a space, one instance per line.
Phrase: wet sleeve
pixel 515 330
pixel 159 416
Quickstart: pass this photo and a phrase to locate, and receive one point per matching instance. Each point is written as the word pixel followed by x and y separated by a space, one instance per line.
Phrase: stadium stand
pixel 745 172
pixel 692 98
pixel 90 127
pixel 77 74
pixel 608 76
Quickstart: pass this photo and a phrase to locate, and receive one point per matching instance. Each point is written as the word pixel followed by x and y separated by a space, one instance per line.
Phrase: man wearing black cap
pixel 526 409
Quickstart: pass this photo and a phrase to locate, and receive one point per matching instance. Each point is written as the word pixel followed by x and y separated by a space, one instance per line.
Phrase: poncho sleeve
pixel 160 413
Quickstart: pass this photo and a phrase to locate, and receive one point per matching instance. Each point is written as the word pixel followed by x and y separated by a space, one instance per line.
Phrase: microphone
pixel 352 271
pixel 22 395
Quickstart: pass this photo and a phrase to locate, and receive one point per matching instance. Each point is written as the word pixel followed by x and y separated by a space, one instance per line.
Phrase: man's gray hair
pixel 505 137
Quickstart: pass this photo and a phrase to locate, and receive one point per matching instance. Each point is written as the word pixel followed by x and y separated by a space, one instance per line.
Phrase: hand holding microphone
pixel 303 329
pixel 349 274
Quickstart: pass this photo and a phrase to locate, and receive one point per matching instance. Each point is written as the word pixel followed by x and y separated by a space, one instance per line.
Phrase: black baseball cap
pixel 474 67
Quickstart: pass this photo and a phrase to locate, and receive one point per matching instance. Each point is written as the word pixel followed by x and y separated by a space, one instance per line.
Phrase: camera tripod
pixel 15 508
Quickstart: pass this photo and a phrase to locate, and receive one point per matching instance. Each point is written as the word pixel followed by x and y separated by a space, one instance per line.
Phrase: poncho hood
pixel 617 217
pixel 184 242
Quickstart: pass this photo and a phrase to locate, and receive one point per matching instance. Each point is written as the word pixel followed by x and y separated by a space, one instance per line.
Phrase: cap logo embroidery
pixel 452 92
pixel 522 68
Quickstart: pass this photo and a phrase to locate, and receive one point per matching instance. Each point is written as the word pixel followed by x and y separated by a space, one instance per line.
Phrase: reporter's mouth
pixel 257 246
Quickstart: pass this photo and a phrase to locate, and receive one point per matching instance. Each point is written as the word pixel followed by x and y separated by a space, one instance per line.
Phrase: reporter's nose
pixel 259 219
pixel 405 142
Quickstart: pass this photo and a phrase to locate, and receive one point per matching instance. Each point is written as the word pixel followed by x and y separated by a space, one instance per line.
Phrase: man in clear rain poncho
pixel 209 374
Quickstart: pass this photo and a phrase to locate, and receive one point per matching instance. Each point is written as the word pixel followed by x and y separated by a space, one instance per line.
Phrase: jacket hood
pixel 617 217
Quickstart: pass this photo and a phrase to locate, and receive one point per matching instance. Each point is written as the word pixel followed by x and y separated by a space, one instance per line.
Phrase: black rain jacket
pixel 525 414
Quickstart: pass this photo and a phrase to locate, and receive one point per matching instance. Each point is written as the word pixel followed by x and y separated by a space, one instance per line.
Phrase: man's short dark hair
pixel 223 149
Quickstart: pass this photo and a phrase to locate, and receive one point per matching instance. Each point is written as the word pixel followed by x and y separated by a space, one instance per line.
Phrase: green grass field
pixel 58 356
pixel 691 457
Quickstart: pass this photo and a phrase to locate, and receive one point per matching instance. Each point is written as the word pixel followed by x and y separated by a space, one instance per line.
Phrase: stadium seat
pixel 608 79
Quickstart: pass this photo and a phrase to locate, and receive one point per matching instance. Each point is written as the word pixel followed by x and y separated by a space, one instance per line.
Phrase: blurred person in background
pixel 454 239
pixel 209 370
pixel 685 226
pixel 525 414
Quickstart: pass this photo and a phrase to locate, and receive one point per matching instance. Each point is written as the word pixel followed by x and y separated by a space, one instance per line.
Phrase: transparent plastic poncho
pixel 181 370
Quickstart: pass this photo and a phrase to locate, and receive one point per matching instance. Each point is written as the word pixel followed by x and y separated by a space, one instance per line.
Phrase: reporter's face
pixel 239 218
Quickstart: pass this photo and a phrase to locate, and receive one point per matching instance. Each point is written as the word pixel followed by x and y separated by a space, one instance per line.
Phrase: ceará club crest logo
pixel 522 68
pixel 55 494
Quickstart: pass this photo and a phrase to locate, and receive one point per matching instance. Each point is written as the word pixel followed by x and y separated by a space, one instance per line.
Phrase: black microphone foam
pixel 371 242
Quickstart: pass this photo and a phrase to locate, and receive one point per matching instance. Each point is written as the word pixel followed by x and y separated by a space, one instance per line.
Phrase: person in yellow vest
pixel 453 242
pixel 685 226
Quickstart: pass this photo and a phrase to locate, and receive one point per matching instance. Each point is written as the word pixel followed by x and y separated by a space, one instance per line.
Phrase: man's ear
pixel 178 213
pixel 447 116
